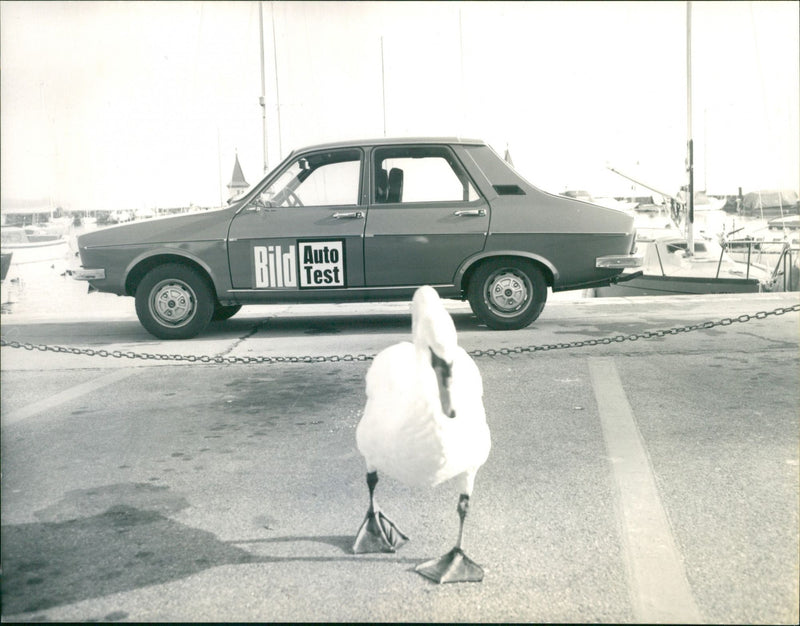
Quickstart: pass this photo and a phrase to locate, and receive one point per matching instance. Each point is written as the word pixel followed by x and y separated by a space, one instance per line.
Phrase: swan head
pixel 435 337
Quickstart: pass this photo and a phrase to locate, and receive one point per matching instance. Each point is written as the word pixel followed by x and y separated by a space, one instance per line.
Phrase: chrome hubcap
pixel 507 292
pixel 172 303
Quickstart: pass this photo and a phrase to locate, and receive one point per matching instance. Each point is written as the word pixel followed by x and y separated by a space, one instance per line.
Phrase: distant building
pixel 28 212
pixel 238 184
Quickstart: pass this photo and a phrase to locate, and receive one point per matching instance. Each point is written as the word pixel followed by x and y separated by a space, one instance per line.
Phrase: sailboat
pixel 677 263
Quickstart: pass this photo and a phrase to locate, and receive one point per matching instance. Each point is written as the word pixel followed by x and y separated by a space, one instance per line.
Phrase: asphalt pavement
pixel 644 468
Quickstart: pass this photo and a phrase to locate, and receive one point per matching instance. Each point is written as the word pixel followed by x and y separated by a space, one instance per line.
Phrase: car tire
pixel 222 313
pixel 507 293
pixel 174 301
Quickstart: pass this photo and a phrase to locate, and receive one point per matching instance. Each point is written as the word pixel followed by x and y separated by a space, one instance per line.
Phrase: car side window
pixel 420 174
pixel 321 179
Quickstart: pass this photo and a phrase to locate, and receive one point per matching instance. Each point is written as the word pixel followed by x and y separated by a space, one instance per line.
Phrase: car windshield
pixel 321 179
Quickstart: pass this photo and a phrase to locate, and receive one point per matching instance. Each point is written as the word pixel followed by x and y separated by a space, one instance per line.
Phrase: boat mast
pixel 262 100
pixel 462 97
pixel 277 82
pixel 383 89
pixel 689 143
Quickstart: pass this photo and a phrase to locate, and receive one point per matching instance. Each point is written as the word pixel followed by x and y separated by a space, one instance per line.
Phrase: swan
pixel 424 423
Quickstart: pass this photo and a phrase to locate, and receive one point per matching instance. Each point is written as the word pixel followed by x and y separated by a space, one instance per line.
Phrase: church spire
pixel 238 184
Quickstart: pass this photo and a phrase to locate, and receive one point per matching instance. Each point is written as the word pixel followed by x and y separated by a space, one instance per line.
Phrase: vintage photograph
pixel 381 311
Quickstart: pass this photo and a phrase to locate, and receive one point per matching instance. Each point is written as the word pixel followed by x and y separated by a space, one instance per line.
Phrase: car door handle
pixel 470 213
pixel 349 215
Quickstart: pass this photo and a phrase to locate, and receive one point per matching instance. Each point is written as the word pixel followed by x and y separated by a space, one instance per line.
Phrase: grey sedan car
pixel 365 221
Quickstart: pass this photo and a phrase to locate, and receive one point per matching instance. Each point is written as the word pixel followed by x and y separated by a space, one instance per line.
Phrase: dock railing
pixel 779 258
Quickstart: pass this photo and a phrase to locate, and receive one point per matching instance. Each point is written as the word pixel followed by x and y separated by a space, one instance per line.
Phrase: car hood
pixel 207 225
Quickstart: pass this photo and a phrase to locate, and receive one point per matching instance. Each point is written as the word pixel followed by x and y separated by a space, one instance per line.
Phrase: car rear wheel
pixel 507 294
pixel 222 313
pixel 174 301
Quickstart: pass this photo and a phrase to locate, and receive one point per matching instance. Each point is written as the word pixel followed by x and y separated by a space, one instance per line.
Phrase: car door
pixel 304 230
pixel 425 217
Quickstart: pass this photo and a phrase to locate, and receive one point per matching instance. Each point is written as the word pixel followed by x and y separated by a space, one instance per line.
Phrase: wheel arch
pixel 142 266
pixel 465 272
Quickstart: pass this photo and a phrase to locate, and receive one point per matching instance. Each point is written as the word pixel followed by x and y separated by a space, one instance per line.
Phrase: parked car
pixel 365 221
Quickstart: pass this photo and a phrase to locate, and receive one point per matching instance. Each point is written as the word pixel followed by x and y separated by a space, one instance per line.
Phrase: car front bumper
pixel 87 274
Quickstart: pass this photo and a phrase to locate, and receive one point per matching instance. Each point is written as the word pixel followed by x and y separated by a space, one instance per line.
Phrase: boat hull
pixel 770 212
pixel 34 252
pixel 5 263
pixel 678 285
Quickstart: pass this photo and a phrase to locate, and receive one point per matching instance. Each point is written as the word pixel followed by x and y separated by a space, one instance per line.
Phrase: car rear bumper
pixel 615 261
pixel 624 277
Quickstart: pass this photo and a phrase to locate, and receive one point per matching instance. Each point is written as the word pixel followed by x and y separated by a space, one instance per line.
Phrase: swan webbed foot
pixel 378 534
pixel 453 567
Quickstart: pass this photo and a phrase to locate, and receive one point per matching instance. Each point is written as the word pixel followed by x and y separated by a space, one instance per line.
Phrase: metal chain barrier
pixel 647 334
pixel 347 358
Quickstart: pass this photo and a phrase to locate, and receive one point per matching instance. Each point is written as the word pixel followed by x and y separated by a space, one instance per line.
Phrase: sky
pixel 138 105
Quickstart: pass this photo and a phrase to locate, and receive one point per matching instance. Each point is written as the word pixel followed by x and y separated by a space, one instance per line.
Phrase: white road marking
pixel 77 391
pixel 660 591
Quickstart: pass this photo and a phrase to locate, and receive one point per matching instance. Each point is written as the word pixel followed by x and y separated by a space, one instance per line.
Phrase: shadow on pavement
pixel 327 324
pixel 130 544
pixel 49 564
pixel 102 333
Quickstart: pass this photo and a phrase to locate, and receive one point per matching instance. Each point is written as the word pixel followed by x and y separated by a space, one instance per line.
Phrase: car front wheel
pixel 174 301
pixel 507 294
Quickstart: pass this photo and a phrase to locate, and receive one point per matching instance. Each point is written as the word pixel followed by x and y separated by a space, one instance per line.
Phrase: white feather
pixel 403 431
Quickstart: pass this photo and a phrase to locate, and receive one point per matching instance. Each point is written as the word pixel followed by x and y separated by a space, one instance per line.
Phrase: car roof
pixel 391 141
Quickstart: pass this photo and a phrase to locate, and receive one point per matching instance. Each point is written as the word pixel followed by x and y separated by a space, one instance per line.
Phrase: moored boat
pixel 668 270
pixel 771 203
pixel 5 263
pixel 32 247
pixel 704 202
pixel 678 285
pixel 791 222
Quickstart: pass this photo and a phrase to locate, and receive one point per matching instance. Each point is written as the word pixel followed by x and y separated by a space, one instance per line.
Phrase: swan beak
pixel 444 374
